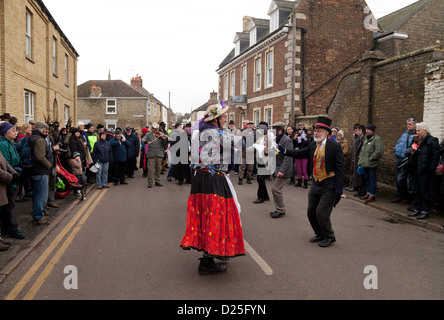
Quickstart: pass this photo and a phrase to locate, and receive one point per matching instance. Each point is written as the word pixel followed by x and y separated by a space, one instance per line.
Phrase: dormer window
pixel 279 12
pixel 274 20
pixel 253 36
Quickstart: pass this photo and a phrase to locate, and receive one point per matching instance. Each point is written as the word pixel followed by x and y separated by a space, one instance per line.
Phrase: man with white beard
pixel 327 160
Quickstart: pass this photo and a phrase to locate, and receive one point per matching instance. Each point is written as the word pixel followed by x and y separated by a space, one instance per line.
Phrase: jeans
pixel 102 174
pixel 40 188
pixel 370 181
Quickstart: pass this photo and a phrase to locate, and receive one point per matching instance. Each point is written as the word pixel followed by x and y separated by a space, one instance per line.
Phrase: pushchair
pixel 66 182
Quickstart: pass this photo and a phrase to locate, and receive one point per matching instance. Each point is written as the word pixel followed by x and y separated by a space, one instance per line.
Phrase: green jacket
pixel 9 152
pixel 372 150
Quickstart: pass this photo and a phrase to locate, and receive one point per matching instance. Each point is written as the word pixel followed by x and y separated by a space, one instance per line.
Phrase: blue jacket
pixel 119 149
pixel 404 143
pixel 102 152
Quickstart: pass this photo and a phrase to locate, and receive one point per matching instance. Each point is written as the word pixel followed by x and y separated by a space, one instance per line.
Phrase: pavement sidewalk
pixel 34 234
pixel 398 212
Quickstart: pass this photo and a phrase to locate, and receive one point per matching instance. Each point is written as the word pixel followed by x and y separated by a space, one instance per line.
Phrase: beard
pixel 320 138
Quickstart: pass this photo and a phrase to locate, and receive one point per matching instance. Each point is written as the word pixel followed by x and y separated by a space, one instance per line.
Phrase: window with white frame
pixel 244 80
pixel 233 84
pixel 29 105
pixel 111 124
pixel 111 106
pixel 66 70
pixel 270 64
pixel 66 113
pixel 258 71
pixel 268 115
pixel 226 88
pixel 253 36
pixel 28 34
pixel 274 21
pixel 54 56
pixel 256 117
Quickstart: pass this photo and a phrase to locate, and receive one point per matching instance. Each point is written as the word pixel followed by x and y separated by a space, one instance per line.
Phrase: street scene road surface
pixel 123 244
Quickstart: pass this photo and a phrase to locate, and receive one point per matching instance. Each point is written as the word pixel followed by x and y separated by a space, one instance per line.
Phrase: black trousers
pixel 262 192
pixel 119 171
pixel 321 199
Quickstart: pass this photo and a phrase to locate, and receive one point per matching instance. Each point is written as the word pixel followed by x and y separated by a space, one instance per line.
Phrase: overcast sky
pixel 175 45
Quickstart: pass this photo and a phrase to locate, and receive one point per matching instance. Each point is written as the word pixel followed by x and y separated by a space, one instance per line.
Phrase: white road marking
pixel 264 266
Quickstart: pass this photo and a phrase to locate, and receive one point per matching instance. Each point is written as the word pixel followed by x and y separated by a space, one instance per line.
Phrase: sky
pixel 176 46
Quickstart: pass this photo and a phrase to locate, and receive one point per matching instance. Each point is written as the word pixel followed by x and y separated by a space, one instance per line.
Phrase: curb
pixel 7 270
pixel 399 216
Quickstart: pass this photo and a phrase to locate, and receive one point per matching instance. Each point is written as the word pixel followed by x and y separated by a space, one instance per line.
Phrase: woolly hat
pixel 75 155
pixel 4 127
pixel 371 127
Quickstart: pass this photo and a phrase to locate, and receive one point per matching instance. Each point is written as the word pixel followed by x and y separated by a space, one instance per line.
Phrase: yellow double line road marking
pixel 36 266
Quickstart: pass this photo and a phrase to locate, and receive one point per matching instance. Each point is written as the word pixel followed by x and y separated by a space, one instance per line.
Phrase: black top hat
pixel 323 123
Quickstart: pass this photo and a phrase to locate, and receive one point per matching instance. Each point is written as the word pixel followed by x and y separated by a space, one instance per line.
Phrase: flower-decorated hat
pixel 215 111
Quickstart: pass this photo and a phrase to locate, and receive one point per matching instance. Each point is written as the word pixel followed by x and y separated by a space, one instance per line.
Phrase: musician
pixel 327 160
pixel 157 142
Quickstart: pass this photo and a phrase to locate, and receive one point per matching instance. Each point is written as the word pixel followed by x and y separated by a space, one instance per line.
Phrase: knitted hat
pixel 371 127
pixel 4 127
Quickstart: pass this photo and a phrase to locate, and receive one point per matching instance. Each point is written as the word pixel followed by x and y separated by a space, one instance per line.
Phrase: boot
pixel 305 184
pixel 299 184
pixel 208 266
pixel 240 181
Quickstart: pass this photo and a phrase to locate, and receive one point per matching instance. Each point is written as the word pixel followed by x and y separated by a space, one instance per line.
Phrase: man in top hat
pixel 327 159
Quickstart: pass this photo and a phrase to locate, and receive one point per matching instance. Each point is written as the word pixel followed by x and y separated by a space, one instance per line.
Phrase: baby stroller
pixel 66 182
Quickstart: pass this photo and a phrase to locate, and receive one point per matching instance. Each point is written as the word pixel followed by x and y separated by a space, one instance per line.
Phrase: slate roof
pixel 394 21
pixel 111 89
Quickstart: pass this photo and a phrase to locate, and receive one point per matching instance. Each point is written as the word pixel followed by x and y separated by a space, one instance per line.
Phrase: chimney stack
pixel 136 81
pixel 96 92
pixel 213 98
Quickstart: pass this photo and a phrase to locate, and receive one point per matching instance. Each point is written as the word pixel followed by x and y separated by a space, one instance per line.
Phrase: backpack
pixel 24 151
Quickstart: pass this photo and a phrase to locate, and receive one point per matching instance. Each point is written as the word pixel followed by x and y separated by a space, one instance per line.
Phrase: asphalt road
pixel 123 244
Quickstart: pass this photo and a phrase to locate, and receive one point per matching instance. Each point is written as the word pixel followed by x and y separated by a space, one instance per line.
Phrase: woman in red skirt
pixel 213 220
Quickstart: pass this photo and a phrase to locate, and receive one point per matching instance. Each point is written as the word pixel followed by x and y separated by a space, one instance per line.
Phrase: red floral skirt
pixel 213 221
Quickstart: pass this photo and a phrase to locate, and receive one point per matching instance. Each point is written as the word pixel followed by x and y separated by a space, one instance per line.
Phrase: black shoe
pixel 423 215
pixel 299 184
pixel 316 239
pixel 180 182
pixel 150 185
pixel 158 184
pixel 259 200
pixel 415 213
pixel 276 214
pixel 208 266
pixel 305 184
pixel 267 199
pixel 249 181
pixel 123 182
pixel 240 182
pixel 327 242
pixel 116 183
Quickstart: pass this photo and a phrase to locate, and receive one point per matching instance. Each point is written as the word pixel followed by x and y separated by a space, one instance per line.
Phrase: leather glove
pixel 281 148
pixel 338 193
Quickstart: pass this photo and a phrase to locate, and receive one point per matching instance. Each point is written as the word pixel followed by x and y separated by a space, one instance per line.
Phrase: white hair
pixel 423 125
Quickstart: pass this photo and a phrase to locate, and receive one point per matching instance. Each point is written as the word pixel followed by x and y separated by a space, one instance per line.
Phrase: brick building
pixel 256 77
pixel 38 64
pixel 402 77
pixel 116 104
